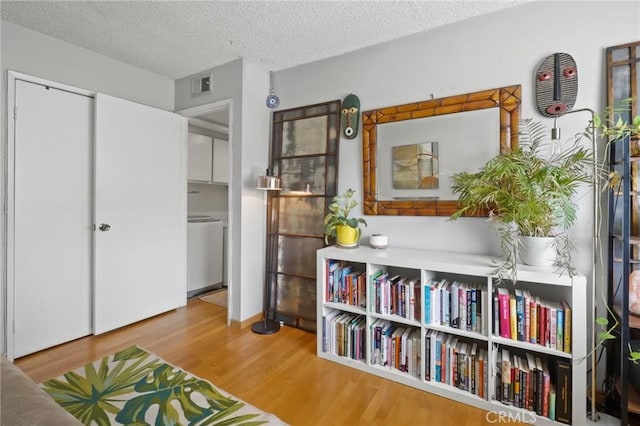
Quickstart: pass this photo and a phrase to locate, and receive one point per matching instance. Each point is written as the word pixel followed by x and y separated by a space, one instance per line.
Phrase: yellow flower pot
pixel 347 236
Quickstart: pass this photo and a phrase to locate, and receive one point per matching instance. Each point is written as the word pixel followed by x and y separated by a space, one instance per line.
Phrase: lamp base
pixel 265 326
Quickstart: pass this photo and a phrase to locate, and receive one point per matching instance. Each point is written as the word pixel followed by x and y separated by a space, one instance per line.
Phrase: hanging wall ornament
pixel 556 84
pixel 349 116
pixel 272 100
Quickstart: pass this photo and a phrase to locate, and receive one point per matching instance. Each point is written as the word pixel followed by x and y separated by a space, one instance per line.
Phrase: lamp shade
pixel 269 183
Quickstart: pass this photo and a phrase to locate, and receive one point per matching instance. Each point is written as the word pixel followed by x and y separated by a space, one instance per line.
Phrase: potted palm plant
pixel 338 224
pixel 530 198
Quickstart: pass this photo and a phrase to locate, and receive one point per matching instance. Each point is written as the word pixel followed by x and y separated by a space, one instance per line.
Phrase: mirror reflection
pixel 410 151
pixel 407 171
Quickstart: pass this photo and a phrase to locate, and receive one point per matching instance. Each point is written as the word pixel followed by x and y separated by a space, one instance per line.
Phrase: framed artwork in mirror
pixel 410 151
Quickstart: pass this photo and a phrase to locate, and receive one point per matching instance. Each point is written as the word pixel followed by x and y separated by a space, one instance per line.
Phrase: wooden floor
pixel 279 373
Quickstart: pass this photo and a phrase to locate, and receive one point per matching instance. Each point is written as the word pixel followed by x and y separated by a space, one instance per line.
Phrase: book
pixel 533 323
pixel 546 385
pixel 474 309
pixel 427 351
pixel 326 329
pixel 532 382
pixel 481 384
pixel 519 305
pixel 462 308
pixel 416 296
pixel 515 378
pixel 482 309
pixel 428 290
pixel 552 402
pixel 468 316
pixel 496 315
pixel 527 315
pixel 446 304
pixel 473 369
pixel 506 377
pixel 437 357
pixel 542 324
pixel 524 383
pixel 503 301
pixel 567 327
pixel 563 391
pixel 497 392
pixel 513 319
pixel 455 304
pixel 560 326
pixel 539 386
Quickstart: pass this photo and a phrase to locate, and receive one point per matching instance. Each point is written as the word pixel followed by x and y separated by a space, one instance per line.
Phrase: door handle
pixel 104 227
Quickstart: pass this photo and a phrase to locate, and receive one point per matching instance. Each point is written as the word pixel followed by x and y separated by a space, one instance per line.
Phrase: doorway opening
pixel 210 195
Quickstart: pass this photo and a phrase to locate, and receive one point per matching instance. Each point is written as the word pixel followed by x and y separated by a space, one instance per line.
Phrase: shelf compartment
pixel 632 239
pixel 345 307
pixel 631 261
pixel 457 332
pixel 395 318
pixel 344 334
pixel 457 390
pixel 395 346
pixel 530 347
pixel 394 371
pixel 634 321
pixel 633 398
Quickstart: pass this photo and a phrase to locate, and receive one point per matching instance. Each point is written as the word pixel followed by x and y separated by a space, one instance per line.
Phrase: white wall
pixel 480 53
pixel 255 158
pixel 247 85
pixel 486 52
pixel 42 56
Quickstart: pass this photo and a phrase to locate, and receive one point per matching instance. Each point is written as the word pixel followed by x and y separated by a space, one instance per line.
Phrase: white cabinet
pixel 200 154
pixel 220 161
pixel 432 320
pixel 208 159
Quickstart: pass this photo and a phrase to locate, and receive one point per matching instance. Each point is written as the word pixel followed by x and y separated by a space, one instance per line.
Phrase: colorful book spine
pixel 559 327
pixel 567 327
pixel 427 302
pixel 533 308
pixel 503 300
pixel 513 321
pixel 519 299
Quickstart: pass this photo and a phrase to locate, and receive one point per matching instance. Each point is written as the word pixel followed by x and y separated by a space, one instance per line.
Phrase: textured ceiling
pixel 180 38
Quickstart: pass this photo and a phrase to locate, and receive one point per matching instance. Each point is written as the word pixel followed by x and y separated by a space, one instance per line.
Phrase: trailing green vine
pixel 611 126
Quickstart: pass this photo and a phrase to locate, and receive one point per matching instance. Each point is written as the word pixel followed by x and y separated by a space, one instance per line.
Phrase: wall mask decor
pixel 350 116
pixel 556 84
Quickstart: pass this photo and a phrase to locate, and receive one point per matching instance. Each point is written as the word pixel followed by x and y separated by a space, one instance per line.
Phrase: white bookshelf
pixel 455 266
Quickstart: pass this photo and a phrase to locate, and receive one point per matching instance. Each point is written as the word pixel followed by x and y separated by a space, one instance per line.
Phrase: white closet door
pixel 53 217
pixel 140 193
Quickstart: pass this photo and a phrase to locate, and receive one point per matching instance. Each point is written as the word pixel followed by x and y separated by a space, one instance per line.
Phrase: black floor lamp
pixel 267 326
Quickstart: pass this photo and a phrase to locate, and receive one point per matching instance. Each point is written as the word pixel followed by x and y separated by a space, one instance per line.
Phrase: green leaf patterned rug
pixel 135 387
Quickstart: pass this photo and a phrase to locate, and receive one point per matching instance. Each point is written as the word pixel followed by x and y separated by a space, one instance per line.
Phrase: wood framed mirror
pixel 461 132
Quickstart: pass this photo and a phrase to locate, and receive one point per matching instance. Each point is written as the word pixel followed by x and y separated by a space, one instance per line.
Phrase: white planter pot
pixel 537 251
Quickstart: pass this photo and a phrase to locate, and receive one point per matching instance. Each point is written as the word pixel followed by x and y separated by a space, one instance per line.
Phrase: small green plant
pixel 339 209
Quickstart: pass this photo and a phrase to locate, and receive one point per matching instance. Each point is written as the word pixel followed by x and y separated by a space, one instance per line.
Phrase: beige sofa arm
pixel 24 403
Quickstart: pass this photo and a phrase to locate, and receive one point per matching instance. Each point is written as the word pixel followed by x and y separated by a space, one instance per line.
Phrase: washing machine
pixel 205 242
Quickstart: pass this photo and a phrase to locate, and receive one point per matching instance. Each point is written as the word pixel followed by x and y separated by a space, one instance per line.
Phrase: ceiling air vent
pixel 201 85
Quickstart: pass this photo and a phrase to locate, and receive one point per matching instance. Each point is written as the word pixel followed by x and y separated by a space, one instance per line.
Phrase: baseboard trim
pixel 246 323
